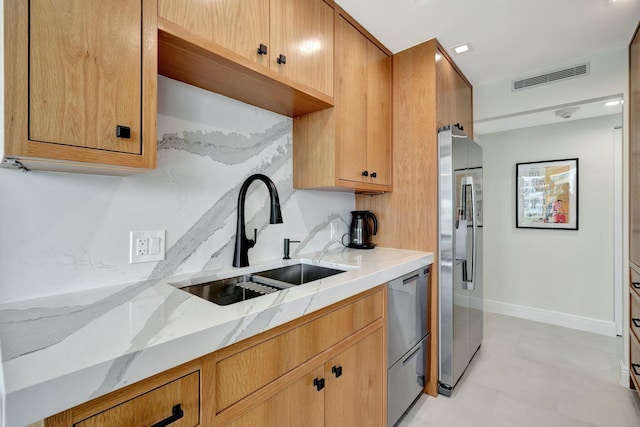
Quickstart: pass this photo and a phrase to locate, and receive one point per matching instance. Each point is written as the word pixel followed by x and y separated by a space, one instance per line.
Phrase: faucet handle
pixel 286 247
pixel 253 242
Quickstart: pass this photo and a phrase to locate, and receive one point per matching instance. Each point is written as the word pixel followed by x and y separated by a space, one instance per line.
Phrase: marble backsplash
pixel 64 232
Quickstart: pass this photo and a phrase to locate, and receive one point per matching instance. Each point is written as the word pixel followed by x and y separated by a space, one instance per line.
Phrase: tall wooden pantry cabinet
pixel 429 91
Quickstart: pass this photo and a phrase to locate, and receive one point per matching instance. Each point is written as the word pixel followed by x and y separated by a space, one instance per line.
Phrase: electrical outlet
pixel 146 246
pixel 141 247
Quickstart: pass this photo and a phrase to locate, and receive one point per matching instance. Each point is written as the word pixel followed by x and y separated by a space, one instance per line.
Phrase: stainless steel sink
pixel 241 288
pixel 298 274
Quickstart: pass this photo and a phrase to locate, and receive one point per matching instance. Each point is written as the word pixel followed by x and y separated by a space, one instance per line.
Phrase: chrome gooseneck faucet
pixel 241 253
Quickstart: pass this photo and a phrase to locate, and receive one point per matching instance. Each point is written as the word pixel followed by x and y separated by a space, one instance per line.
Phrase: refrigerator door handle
pixel 469 279
pixel 474 250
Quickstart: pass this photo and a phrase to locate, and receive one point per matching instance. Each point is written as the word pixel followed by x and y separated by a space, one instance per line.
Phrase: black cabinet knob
pixel 319 383
pixel 281 59
pixel 365 173
pixel 636 322
pixel 123 132
pixel 262 49
pixel 373 174
pixel 337 371
pixel 635 285
pixel 635 367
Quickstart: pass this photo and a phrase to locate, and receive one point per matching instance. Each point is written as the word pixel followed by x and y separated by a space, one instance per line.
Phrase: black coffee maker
pixel 360 231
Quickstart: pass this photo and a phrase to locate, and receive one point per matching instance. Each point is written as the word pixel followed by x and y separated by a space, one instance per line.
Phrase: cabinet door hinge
pixel 13 163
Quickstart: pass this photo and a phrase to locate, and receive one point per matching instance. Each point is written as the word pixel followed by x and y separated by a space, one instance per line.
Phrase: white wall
pixel 63 232
pixel 608 76
pixel 558 276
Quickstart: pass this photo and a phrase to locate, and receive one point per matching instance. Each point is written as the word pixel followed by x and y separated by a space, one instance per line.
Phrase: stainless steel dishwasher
pixel 407 341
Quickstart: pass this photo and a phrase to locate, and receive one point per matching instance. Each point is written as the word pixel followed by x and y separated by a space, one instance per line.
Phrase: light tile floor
pixel 533 374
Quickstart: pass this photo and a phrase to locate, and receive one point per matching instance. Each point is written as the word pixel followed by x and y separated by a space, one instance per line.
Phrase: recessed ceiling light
pixel 465 47
pixel 613 103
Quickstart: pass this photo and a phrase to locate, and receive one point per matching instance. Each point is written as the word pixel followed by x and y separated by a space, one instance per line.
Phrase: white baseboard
pixel 588 324
pixel 624 374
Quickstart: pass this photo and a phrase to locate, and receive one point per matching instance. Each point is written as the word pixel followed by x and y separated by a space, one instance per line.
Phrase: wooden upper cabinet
pixel 349 147
pixel 363 110
pixel 81 85
pixel 300 30
pixel 240 26
pixel 634 149
pixel 351 102
pixel 453 98
pixel 379 106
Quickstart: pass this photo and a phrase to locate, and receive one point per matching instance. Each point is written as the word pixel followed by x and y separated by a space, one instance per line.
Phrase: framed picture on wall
pixel 547 194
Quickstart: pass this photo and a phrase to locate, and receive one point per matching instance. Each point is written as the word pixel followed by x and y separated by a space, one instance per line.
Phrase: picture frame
pixel 547 194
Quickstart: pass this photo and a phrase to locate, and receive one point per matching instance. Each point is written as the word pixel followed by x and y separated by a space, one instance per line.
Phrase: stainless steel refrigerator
pixel 460 254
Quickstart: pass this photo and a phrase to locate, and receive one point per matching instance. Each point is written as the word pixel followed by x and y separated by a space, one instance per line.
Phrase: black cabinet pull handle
pixel 373 174
pixel 365 173
pixel 123 132
pixel 281 59
pixel 337 371
pixel 634 366
pixel 319 383
pixel 177 414
pixel 636 285
pixel 262 49
pixel 636 322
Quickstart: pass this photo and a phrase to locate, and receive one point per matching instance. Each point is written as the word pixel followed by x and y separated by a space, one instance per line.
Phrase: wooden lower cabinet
pixel 634 327
pixel 347 390
pixel 327 368
pixel 172 396
pixel 356 396
pixel 299 404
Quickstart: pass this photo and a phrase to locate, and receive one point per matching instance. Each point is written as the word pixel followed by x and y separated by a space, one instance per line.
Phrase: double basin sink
pixel 240 288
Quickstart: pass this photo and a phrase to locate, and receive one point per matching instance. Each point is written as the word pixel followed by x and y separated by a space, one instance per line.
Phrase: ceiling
pixel 510 39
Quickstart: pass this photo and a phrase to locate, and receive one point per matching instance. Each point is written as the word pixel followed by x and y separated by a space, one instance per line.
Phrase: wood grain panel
pixel 351 102
pixel 634 318
pixel 84 73
pixel 242 373
pixel 634 149
pixel 453 97
pixel 240 26
pixel 379 160
pixel 189 58
pixel 634 359
pixel 302 30
pixel 314 150
pixel 53 85
pixel 155 406
pixel 355 398
pixel 143 403
pixel 299 404
pixel 424 86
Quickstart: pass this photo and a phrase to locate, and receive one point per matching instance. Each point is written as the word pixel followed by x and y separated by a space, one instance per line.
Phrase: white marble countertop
pixel 61 351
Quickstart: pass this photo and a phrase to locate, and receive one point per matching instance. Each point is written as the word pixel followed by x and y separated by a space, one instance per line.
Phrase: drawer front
pixel 245 372
pixel 634 369
pixel 635 281
pixel 406 380
pixel 155 406
pixel 634 326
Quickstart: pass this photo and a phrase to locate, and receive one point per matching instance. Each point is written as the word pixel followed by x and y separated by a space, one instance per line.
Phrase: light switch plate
pixel 145 246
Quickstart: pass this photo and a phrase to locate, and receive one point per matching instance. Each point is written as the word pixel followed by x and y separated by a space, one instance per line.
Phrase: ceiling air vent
pixel 554 76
